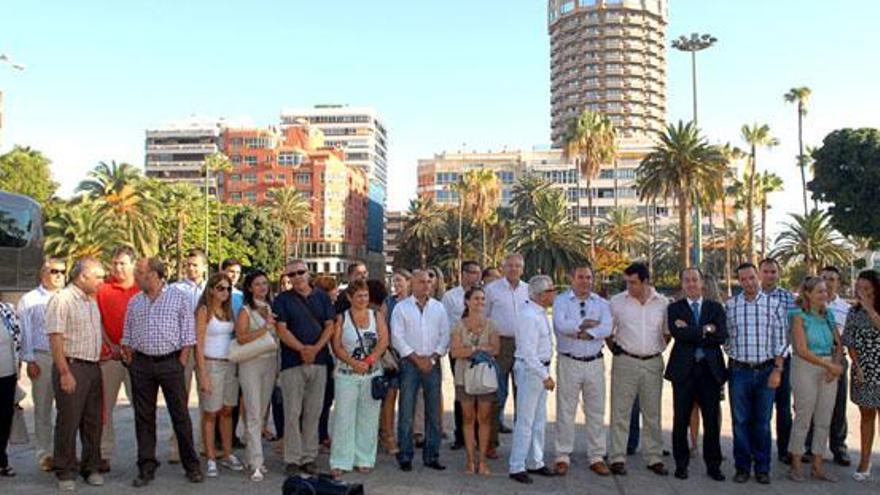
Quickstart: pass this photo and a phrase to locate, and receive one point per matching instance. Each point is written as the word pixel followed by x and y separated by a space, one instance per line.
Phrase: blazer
pixel 689 338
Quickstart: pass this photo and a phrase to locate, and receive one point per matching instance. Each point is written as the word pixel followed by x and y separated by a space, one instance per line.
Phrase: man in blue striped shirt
pixel 757 346
pixel 770 273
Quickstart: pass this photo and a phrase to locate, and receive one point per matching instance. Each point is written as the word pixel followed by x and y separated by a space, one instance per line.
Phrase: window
pixel 567 7
pixel 15 226
pixel 303 178
pixel 236 159
pixel 250 160
pixel 282 177
pixel 268 178
pixel 236 196
pixel 250 178
pixel 506 177
pixel 250 196
pixel 447 177
pixel 235 178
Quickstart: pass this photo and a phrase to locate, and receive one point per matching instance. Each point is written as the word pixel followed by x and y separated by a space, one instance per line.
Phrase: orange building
pixel 265 159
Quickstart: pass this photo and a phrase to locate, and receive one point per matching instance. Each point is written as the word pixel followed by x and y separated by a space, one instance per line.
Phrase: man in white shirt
pixel 420 334
pixel 505 299
pixel 532 374
pixel 639 335
pixel 837 434
pixel 582 321
pixel 36 353
pixel 453 301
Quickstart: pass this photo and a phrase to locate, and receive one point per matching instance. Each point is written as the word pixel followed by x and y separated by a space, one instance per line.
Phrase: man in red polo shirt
pixel 113 297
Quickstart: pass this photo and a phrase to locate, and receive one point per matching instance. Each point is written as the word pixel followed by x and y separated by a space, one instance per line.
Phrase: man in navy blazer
pixel 697 371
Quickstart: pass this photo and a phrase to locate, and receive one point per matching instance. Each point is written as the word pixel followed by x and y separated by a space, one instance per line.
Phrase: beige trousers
pixel 303 389
pixel 813 403
pixel 631 378
pixel 257 379
pixel 114 374
pixel 576 381
pixel 43 395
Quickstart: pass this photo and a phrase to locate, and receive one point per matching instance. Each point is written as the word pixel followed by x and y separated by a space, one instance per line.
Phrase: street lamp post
pixel 695 43
pixel 4 59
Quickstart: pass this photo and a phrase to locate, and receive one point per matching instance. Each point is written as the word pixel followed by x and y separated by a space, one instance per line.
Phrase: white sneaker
pixel 211 470
pixel 67 486
pixel 232 463
pixel 257 475
pixel 95 479
pixel 861 476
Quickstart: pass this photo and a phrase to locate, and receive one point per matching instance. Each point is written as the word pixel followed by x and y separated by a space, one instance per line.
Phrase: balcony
pixel 172 166
pixel 185 148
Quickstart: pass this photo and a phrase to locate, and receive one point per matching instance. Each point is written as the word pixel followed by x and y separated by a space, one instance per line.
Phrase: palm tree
pixel 680 166
pixel 180 200
pixel 827 246
pixel 482 194
pixel 525 194
pixel 621 232
pixel 756 136
pixel 80 228
pixel 768 183
pixel 294 211
pixel 800 96
pixel 549 241
pixel 731 155
pixel 120 190
pixel 590 141
pixel 423 226
pixel 219 164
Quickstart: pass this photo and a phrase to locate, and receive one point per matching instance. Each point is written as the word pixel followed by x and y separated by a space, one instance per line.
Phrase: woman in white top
pixel 256 375
pixel 10 352
pixel 218 383
pixel 359 340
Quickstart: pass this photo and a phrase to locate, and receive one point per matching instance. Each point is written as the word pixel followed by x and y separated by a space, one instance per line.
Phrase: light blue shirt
pixel 237 302
pixel 32 318
pixel 569 312
pixel 818 331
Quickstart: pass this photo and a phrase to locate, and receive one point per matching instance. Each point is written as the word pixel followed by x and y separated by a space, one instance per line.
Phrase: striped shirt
pixel 757 328
pixel 32 317
pixel 159 327
pixel 75 316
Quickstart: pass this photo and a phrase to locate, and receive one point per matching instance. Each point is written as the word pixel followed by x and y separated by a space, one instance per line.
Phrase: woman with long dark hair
pixel 256 375
pixel 218 382
pixel 861 336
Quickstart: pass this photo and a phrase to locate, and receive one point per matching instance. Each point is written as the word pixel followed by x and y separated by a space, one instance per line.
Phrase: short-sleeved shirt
pixel 818 330
pixel 112 301
pixel 289 309
pixel 75 315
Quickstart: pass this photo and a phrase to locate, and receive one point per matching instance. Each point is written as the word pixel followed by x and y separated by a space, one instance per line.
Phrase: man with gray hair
pixel 73 324
pixel 534 349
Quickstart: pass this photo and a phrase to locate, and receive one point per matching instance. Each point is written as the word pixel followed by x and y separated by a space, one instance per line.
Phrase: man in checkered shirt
pixel 757 345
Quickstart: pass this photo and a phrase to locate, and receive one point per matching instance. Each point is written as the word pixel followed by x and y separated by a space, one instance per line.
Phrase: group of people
pixel 303 348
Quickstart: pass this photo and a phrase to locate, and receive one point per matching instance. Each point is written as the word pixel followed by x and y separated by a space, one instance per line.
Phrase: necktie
pixel 699 354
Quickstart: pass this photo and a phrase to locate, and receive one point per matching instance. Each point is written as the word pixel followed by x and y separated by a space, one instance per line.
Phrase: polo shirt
pixel 288 308
pixel 112 301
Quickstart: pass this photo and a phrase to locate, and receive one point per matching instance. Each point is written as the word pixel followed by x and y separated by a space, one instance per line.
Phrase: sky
pixel 447 75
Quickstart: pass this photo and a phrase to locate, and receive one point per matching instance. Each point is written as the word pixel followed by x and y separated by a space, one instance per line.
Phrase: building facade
pixel 176 152
pixel 363 137
pixel 297 156
pixel 608 56
pixel 394 234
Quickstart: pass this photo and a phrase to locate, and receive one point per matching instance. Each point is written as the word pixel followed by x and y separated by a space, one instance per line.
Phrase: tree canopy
pixel 26 171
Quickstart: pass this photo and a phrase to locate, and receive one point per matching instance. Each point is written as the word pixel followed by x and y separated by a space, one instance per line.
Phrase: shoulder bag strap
pixel 302 302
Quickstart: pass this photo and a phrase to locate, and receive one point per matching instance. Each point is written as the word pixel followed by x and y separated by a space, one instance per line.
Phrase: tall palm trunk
pixel 286 244
pixel 764 227
pixel 179 247
pixel 800 110
pixel 750 210
pixel 483 244
pixel 592 222
pixel 219 236
pixel 684 227
pixel 460 230
pixel 615 182
pixel 650 237
pixel 727 238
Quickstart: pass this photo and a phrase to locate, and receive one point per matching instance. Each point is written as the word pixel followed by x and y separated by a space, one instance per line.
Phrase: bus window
pixel 15 227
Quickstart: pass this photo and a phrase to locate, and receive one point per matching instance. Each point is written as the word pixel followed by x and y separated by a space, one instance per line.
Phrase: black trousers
pixel 456 415
pixel 701 387
pixel 148 375
pixel 782 403
pixel 7 411
pixel 78 412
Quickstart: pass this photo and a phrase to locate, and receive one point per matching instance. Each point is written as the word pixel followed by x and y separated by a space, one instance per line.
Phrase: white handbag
pixel 245 352
pixel 480 379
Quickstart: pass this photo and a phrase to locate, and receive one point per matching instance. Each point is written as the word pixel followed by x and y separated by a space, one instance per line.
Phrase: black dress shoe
pixel 785 458
pixel 502 428
pixel 666 453
pixel 195 476
pixel 521 477
pixel 544 471
pixel 842 459
pixel 435 465
pixel 741 476
pixel 762 478
pixel 717 475
pixel 659 469
pixel 104 466
pixel 419 443
pixel 681 473
pixel 291 469
pixel 456 446
pixel 142 480
pixel 406 466
pixel 618 468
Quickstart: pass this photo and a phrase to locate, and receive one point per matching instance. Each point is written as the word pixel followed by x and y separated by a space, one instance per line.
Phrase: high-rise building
pixel 608 56
pixel 266 159
pixel 394 235
pixel 176 152
pixel 361 134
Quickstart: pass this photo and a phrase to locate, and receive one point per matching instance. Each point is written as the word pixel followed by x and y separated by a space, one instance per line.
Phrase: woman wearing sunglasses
pixel 218 384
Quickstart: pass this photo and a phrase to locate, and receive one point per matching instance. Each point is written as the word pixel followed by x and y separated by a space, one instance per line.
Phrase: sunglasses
pixel 222 288
pixel 55 271
pixel 296 273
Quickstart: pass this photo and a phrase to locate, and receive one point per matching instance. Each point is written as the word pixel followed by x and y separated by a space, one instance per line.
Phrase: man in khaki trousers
pixel 638 340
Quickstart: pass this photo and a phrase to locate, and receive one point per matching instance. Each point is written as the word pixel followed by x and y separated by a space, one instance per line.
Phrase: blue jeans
pixel 527 451
pixel 411 380
pixel 751 404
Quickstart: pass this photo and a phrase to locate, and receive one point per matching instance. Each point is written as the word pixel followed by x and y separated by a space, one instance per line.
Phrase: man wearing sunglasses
pixel 35 352
pixel 582 321
pixel 304 323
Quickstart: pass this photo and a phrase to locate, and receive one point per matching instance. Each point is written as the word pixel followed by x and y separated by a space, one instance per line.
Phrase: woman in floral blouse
pixel 10 351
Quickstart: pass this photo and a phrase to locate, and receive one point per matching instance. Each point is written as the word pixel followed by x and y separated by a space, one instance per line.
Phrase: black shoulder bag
pixel 379 385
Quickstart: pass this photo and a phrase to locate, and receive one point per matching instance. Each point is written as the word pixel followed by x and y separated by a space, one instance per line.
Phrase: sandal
pixel 484 469
pixel 825 476
pixel 469 467
pixel 7 472
pixel 364 469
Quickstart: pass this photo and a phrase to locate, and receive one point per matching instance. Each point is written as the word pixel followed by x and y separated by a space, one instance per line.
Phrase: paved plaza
pixel 388 480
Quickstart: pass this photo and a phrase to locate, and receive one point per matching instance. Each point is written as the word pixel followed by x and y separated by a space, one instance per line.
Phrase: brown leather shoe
pixel 47 463
pixel 104 466
pixel 600 468
pixel 659 469
pixel 618 468
pixel 561 468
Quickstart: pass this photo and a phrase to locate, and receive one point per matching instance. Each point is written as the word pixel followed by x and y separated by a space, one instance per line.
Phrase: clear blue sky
pixel 442 73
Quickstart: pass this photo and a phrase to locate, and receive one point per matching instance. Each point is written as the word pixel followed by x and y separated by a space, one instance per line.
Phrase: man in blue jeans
pixel 420 334
pixel 756 347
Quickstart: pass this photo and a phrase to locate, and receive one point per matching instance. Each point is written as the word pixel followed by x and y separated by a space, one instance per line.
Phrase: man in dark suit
pixel 697 371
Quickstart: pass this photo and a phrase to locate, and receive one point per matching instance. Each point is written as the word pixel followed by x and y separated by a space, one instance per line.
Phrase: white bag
pixel 480 379
pixel 264 345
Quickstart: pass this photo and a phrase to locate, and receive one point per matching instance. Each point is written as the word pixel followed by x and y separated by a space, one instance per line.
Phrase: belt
pixel 545 363
pixel 751 366
pixel 222 360
pixel 582 359
pixel 636 356
pixel 156 359
pixel 72 360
